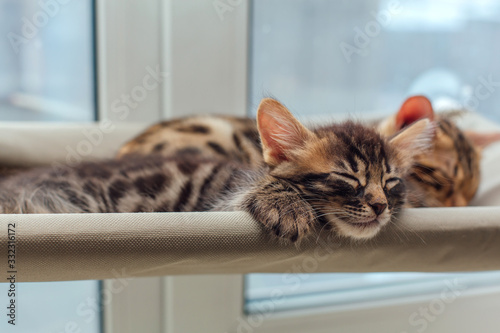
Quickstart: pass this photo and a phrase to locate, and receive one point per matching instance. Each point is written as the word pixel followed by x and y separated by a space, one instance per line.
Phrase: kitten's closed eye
pixel 348 176
pixel 391 182
pixel 315 177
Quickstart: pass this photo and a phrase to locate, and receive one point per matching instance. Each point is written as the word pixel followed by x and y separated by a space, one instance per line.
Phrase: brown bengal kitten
pixel 446 175
pixel 344 176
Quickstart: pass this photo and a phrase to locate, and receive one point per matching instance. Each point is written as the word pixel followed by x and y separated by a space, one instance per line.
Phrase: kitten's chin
pixel 359 230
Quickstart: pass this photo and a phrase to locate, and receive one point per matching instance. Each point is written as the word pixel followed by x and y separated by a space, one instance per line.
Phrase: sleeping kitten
pixel 345 176
pixel 446 175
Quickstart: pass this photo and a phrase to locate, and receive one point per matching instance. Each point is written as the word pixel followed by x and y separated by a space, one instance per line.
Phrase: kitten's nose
pixel 378 208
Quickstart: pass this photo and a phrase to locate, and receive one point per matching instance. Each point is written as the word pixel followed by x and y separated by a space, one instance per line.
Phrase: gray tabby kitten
pixel 345 176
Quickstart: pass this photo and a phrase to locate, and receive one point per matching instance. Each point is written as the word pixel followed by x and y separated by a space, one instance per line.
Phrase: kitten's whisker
pixel 394 221
pixel 319 234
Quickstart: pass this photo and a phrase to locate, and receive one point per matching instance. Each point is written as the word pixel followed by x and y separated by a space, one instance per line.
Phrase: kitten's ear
pixel 413 140
pixel 412 110
pixel 482 140
pixel 280 132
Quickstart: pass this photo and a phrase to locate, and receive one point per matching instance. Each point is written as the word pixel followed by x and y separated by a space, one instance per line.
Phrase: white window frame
pixel 121 63
pixel 215 303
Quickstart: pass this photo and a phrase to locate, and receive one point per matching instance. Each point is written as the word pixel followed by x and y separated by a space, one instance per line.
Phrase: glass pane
pixel 337 57
pixel 47 74
pixel 332 58
pixel 302 291
pixel 52 307
pixel 46 60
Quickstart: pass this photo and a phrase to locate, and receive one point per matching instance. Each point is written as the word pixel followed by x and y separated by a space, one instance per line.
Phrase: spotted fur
pixel 217 137
pixel 448 174
pixel 344 177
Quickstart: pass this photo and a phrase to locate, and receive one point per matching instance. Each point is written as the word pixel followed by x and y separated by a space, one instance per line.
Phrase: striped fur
pixel 343 177
pixel 447 175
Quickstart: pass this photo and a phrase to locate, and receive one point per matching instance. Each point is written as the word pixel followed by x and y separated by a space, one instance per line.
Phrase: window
pixel 305 291
pixel 350 57
pixel 47 74
pixel 209 60
pixel 331 58
pixel 47 60
pixel 50 307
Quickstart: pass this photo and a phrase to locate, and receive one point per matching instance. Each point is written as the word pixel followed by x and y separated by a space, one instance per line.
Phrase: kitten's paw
pixel 286 216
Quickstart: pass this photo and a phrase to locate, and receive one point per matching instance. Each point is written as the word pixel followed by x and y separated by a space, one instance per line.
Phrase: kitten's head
pixel 448 173
pixel 351 176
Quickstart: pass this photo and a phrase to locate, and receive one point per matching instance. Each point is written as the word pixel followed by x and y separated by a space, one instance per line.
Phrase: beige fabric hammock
pixel 99 246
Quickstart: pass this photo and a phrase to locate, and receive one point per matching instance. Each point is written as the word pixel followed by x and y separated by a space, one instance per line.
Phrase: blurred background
pixel 47 67
pixel 321 57
pixel 327 57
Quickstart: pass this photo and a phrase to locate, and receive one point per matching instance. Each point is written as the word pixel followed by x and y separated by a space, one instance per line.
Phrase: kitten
pixel 447 175
pixel 345 176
